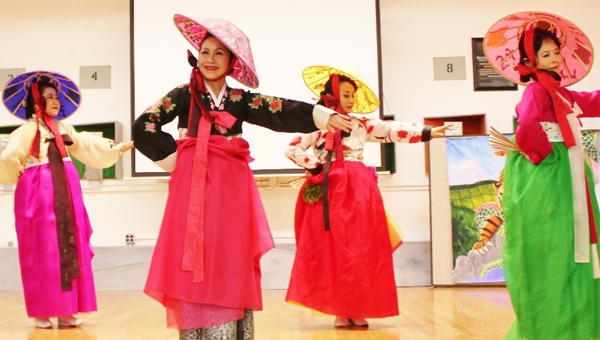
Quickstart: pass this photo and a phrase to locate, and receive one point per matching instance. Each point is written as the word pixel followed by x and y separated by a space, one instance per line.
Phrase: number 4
pixel 95 76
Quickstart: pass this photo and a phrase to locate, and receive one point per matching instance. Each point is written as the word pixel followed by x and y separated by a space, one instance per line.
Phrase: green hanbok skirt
pixel 554 298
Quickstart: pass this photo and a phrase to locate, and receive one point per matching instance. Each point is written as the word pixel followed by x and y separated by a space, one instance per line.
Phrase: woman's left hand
pixel 438 131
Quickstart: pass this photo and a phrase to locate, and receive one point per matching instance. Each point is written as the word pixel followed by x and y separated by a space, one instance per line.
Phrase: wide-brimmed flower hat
pixel 316 76
pixel 236 41
pixel 14 95
pixel 501 45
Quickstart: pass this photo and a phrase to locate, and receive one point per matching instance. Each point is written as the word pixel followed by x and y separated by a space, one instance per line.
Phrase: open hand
pixel 337 121
pixel 438 131
pixel 126 146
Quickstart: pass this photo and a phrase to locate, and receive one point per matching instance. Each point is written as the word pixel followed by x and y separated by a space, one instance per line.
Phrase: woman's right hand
pixel 338 121
pixel 126 146
pixel 439 131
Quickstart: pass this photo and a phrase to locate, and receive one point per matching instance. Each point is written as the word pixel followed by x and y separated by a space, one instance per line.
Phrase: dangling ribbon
pixel 333 143
pixel 593 235
pixel 551 85
pixel 193 249
pixel 65 219
pixel 63 207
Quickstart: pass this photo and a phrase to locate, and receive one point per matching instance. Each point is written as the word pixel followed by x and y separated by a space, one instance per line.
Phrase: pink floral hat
pixel 236 41
pixel 501 45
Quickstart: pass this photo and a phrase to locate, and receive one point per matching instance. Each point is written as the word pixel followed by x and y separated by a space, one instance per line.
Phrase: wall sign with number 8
pixel 449 68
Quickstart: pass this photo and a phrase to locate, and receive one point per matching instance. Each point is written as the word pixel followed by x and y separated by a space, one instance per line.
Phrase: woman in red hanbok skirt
pixel 343 263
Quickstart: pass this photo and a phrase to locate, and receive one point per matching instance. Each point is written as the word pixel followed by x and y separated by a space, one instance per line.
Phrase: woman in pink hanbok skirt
pixel 53 228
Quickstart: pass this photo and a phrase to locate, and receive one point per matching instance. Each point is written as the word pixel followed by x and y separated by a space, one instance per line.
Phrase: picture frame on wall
pixel 485 77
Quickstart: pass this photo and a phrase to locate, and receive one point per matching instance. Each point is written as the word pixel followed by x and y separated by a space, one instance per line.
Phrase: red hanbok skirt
pixel 348 270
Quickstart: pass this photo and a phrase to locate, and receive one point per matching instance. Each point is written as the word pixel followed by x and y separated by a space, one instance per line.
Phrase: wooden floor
pixel 482 313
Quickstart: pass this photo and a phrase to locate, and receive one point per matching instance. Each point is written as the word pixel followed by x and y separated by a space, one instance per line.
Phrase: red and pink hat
pixel 501 45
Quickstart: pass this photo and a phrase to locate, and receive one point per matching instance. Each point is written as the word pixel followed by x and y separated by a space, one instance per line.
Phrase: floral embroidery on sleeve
pixel 165 104
pixel 275 104
pixel 235 95
pixel 150 127
pixel 256 101
pixel 154 108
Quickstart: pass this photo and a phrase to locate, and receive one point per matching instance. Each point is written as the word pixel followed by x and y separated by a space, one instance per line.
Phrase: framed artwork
pixel 485 77
pixel 475 181
pixel 467 220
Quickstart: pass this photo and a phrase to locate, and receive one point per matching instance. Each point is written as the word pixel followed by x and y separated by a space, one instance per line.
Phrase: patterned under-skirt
pixel 235 330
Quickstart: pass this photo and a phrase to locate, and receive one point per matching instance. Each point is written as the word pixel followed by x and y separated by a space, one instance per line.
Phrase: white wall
pixel 413 32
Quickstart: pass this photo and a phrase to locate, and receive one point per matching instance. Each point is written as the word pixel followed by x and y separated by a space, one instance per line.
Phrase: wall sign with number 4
pixel 94 77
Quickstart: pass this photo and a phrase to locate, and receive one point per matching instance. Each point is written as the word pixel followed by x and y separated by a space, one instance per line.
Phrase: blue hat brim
pixel 15 93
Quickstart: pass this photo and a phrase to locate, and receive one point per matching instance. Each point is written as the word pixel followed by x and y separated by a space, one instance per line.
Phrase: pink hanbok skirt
pixel 38 245
pixel 236 235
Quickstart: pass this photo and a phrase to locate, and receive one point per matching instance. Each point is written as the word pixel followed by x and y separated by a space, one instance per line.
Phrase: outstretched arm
pixel 390 131
pixel 589 102
pixel 287 115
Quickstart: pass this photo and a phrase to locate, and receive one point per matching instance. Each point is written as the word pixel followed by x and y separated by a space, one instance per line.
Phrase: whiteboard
pixel 285 37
